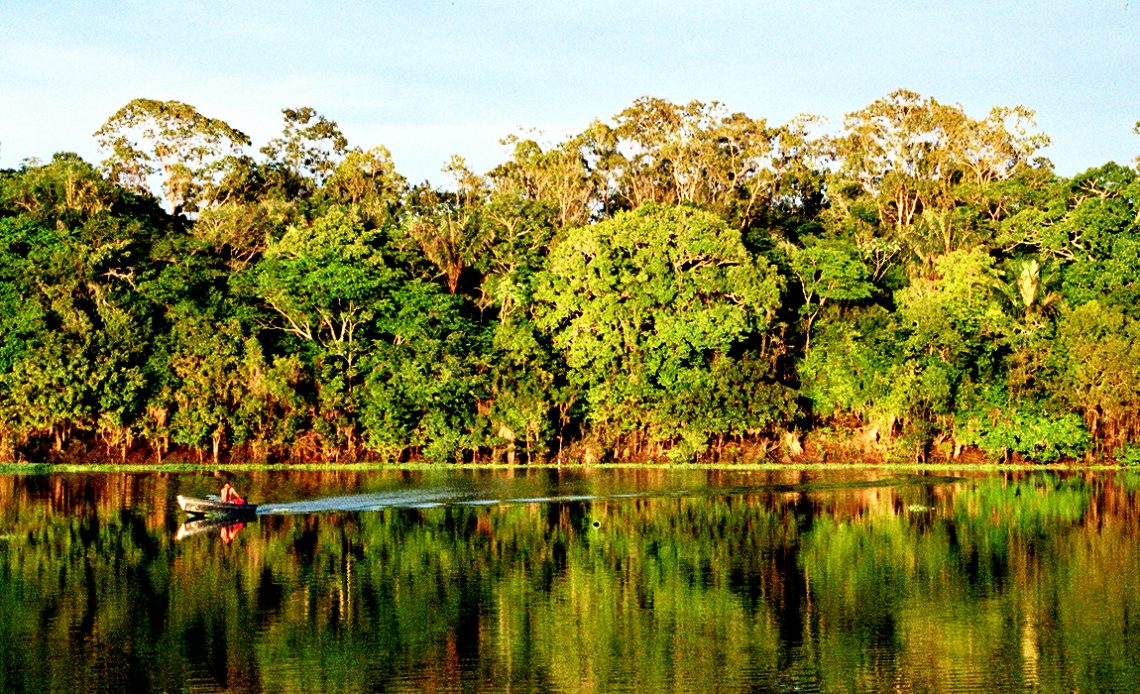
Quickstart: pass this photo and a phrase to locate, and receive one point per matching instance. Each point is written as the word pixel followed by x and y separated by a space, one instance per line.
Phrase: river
pixel 574 580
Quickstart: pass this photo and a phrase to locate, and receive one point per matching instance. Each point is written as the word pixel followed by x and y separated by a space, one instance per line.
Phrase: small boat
pixel 214 506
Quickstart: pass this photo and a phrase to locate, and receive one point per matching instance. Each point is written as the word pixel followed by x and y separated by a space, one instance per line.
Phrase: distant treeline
pixel 675 282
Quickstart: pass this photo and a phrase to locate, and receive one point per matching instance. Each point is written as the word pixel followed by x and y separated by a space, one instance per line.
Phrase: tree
pixel 729 163
pixel 65 186
pixel 524 379
pixel 826 270
pixel 559 176
pixel 1095 354
pixel 848 373
pixel 332 290
pixel 1028 293
pixel 308 146
pixel 956 315
pixel 323 280
pixel 48 391
pixel 954 336
pixel 517 236
pixel 75 327
pixel 916 160
pixel 447 226
pixel 239 232
pixel 642 305
pixel 425 387
pixel 368 181
pixel 186 145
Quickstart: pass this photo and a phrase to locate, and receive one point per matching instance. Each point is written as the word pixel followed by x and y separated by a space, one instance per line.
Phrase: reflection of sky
pixel 431 79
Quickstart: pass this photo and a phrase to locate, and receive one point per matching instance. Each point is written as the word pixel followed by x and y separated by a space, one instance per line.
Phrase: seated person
pixel 230 494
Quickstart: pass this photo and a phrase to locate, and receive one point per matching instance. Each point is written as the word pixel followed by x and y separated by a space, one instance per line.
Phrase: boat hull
pixel 205 507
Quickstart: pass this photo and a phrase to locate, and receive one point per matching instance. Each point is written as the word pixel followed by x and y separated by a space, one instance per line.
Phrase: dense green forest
pixel 678 282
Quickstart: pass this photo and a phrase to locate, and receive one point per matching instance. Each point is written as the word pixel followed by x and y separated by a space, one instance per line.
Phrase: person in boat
pixel 230 494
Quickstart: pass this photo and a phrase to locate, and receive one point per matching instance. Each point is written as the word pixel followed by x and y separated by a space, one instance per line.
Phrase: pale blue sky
pixel 429 79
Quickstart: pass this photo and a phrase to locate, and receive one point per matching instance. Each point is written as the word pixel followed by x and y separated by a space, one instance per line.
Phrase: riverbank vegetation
pixel 674 282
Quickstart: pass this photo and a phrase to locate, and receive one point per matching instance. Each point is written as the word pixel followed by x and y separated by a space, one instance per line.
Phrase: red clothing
pixel 230 494
pixel 229 531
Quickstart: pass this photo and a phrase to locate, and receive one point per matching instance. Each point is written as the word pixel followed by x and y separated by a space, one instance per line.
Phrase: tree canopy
pixel 680 280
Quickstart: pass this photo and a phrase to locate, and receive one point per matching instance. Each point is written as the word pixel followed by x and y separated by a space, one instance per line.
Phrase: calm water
pixel 574 581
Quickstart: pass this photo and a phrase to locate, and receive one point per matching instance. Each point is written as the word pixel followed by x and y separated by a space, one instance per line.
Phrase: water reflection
pixel 225 527
pixel 574 581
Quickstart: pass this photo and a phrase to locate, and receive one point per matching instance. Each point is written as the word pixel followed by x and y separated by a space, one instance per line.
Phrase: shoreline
pixel 82 468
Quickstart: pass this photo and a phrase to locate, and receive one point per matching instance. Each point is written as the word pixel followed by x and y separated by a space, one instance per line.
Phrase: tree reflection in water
pixel 577 581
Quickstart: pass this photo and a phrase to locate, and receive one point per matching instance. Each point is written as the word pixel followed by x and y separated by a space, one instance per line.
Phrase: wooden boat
pixel 214 506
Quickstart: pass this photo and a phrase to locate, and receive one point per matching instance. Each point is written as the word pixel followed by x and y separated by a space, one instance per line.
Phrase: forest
pixel 680 282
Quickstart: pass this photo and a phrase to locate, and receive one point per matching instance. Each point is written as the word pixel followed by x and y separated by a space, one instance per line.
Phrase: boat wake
pixel 461 496
pixel 364 502
pixel 420 499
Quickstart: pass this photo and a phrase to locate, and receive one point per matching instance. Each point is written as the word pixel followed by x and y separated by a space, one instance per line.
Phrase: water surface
pixel 574 580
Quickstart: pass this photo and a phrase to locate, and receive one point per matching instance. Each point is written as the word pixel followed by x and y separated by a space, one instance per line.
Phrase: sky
pixel 429 79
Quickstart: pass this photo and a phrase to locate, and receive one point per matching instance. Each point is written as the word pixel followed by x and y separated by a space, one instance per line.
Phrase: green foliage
pixel 72 356
pixel 48 392
pixel 207 364
pixel 955 316
pixel 1128 455
pixel 848 370
pixel 1038 437
pixel 527 384
pixel 186 146
pixel 326 282
pixel 826 270
pixel 367 181
pixel 642 305
pixel 20 320
pixel 676 279
pixel 1098 374
pixel 239 232
pixel 422 389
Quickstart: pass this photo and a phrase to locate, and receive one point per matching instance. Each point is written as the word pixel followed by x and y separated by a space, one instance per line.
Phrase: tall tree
pixel 1099 376
pixel 368 181
pixel 826 270
pixel 644 306
pixel 186 145
pixel 559 176
pixel 328 285
pixel 737 166
pixel 322 280
pixel 447 226
pixel 309 144
pixel 916 160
